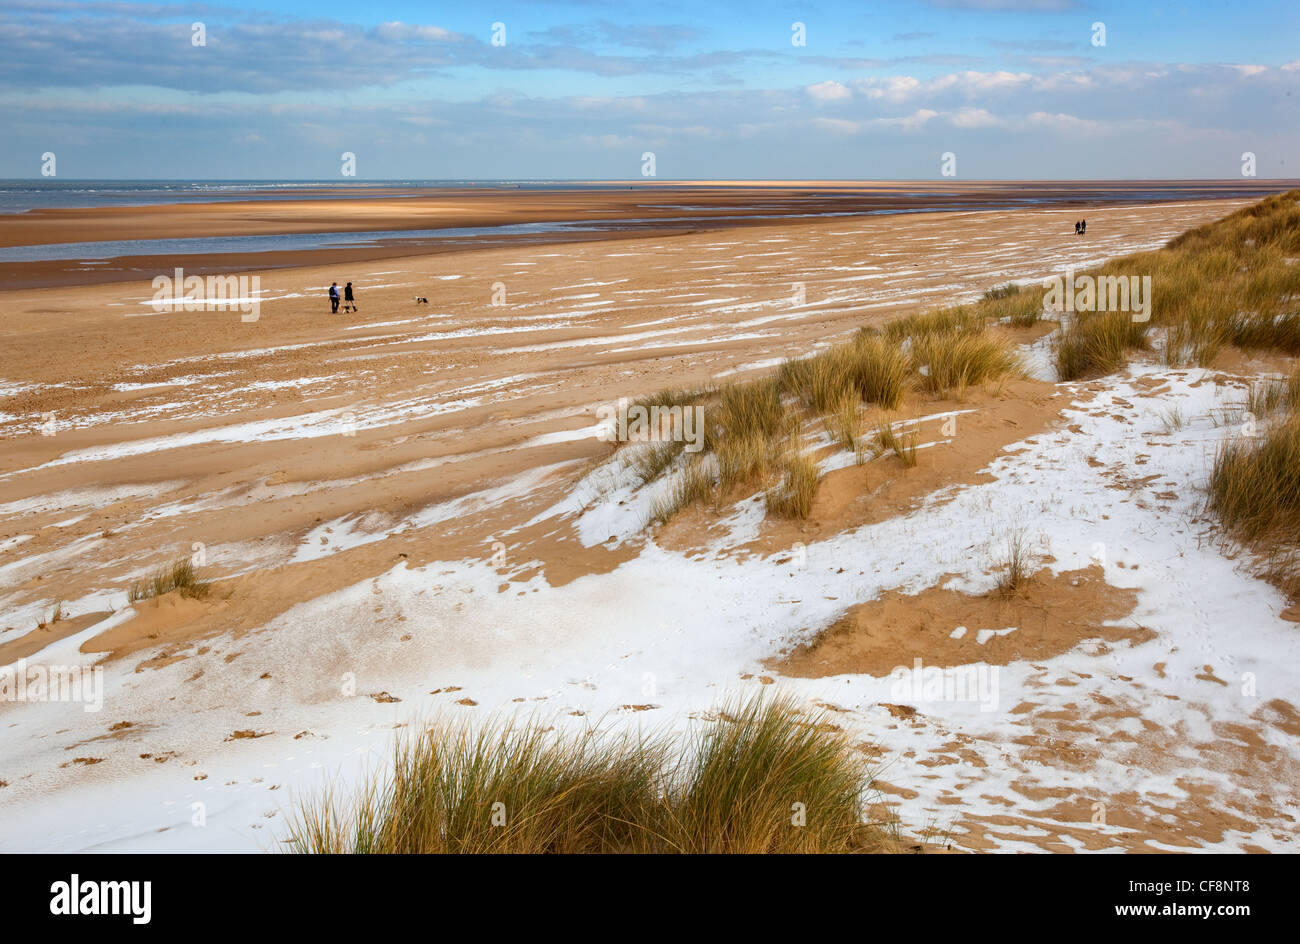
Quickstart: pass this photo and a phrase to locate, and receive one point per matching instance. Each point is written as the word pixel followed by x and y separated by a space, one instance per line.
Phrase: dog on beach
pixel 421 301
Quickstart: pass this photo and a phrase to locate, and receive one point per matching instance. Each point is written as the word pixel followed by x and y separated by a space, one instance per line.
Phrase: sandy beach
pixel 405 494
pixel 403 223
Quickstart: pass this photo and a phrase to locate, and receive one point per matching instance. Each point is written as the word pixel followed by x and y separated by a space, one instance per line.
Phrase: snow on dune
pixel 678 633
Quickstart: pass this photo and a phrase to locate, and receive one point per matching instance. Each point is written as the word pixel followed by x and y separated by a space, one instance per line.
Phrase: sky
pixel 1010 89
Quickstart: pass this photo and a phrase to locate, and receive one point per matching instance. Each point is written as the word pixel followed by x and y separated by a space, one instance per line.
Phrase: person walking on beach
pixel 334 298
pixel 349 303
pixel 1083 227
pixel 1076 227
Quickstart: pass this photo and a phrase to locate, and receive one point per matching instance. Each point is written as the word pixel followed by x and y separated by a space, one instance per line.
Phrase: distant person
pixel 1076 227
pixel 1083 227
pixel 349 303
pixel 334 298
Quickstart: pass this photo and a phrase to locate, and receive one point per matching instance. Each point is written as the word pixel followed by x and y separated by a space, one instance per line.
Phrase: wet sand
pixel 644 209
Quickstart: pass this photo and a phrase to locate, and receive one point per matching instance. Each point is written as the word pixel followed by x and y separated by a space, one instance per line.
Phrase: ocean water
pixel 798 201
pixel 19 195
pixel 285 242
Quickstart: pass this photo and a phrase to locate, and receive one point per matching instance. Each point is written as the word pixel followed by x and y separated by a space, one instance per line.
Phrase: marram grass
pixel 764 777
pixel 1232 282
pixel 1254 485
pixel 180 576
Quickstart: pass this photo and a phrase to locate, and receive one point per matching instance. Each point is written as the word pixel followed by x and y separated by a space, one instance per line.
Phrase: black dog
pixel 421 301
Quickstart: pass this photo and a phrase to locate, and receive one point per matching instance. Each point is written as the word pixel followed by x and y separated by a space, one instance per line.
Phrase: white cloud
pixel 916 120
pixel 974 118
pixel 829 91
pixel 397 30
pixel 970 83
pixel 894 88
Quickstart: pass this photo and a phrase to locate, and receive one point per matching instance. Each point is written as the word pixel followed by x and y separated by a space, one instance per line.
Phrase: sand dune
pixel 408 495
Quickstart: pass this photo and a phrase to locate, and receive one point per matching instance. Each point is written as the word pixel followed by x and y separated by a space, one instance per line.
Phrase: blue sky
pixel 1013 88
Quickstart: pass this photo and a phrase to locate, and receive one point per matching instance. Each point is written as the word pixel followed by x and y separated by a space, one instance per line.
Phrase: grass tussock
pixel 962 319
pixel 1255 483
pixel 793 497
pixel 844 423
pixel 180 576
pixel 761 779
pixel 875 369
pixel 951 361
pixel 58 616
pixel 999 292
pixel 693 484
pixel 750 409
pixel 744 460
pixel 869 367
pixel 1097 344
pixel 651 460
pixel 1272 395
pixel 1015 568
pixel 889 439
pixel 1017 305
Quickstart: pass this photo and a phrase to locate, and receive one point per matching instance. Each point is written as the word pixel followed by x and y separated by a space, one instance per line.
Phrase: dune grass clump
pixel 1020 306
pixel 58 616
pixel 1272 394
pixel 694 483
pixel 875 369
pixel 954 360
pixel 1255 483
pixel 1097 344
pixel 868 366
pixel 764 780
pixel 844 422
pixel 1184 344
pixel 744 459
pixel 760 779
pixel 824 381
pixel 1015 568
pixel 940 321
pixel 180 576
pixel 1265 330
pixel 793 497
pixel 752 408
pixel 673 397
pixel 890 440
pixel 494 789
pixel 651 460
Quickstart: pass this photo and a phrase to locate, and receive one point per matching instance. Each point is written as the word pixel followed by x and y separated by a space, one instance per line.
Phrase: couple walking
pixel 349 303
pixel 1080 229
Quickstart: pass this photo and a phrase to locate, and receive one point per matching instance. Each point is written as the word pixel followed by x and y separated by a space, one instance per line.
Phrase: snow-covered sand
pixel 1159 732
